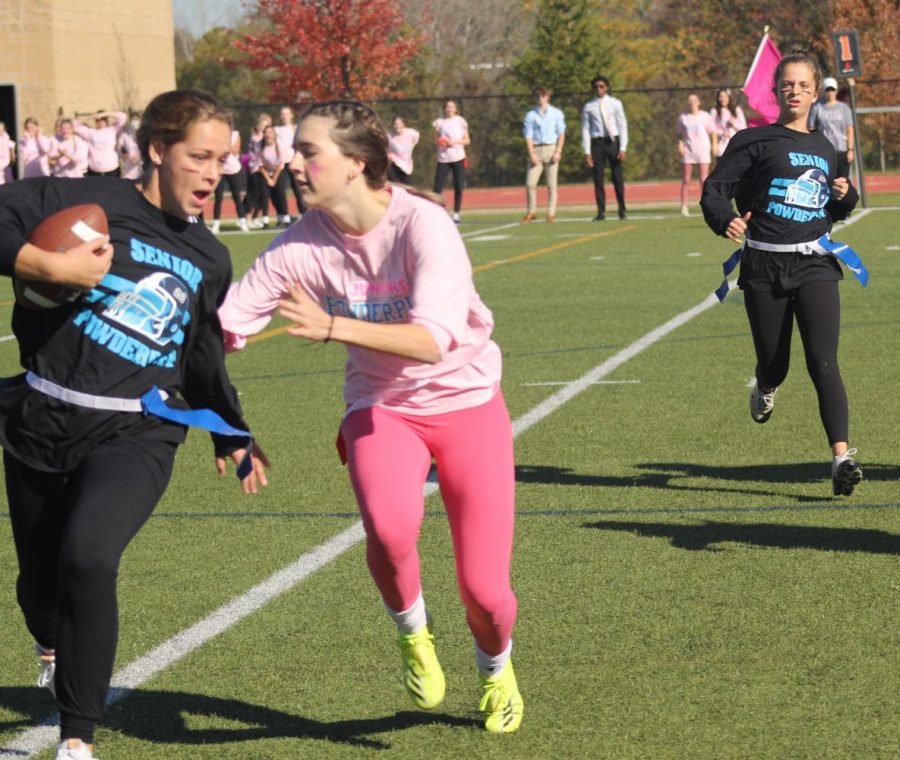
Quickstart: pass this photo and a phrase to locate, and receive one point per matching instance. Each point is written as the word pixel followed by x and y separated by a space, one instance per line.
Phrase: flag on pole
pixel 760 83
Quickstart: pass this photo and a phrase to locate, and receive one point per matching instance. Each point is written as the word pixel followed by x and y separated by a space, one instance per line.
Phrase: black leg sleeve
pixel 771 318
pixel 818 308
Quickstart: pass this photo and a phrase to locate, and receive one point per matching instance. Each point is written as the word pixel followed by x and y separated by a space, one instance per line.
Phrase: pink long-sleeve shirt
pixel 33 150
pixel 411 268
pixel 102 155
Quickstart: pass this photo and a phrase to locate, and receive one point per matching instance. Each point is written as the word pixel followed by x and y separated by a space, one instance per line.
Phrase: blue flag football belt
pixel 152 402
pixel 824 246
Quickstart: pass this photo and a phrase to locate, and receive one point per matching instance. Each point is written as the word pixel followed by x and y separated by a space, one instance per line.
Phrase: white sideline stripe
pixel 4 338
pixel 475 233
pixel 40 737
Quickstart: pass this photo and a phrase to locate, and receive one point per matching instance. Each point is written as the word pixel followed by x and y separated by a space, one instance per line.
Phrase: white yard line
pixel 131 676
pixel 474 233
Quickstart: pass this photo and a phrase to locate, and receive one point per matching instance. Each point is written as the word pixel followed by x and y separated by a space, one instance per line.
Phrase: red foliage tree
pixel 323 49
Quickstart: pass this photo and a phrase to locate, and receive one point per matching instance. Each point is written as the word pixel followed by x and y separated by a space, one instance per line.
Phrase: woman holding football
pixel 85 462
pixel 384 271
pixel 783 179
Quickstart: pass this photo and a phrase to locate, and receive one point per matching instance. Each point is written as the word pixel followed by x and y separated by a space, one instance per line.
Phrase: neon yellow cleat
pixel 501 704
pixel 422 674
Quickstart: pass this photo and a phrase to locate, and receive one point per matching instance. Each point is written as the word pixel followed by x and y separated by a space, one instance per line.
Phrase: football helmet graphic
pixel 809 190
pixel 157 308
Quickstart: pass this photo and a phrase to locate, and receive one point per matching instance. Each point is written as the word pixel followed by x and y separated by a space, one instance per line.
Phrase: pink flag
pixel 761 82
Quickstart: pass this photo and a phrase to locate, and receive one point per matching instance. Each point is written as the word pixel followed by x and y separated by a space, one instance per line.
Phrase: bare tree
pixel 471 44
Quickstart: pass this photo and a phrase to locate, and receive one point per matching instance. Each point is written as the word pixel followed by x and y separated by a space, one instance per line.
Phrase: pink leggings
pixel 389 455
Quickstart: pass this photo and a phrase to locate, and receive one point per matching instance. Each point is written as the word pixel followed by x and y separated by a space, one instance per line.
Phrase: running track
pixel 637 194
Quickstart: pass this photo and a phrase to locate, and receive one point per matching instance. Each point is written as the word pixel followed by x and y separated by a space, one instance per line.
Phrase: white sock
pixel 412 619
pixel 492 664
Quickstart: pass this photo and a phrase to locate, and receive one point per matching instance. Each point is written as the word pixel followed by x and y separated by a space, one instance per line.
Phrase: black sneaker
pixel 845 473
pixel 599 218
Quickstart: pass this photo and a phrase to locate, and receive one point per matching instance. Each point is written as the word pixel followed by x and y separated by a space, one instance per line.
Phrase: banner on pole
pixel 760 85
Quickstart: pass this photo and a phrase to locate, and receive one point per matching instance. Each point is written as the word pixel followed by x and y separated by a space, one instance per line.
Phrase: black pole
pixel 856 151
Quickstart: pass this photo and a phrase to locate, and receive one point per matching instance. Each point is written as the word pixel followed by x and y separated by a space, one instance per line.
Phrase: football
pixel 59 232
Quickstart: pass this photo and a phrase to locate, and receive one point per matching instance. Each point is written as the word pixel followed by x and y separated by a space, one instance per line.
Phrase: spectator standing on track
pixel 7 154
pixel 103 158
pixel 401 141
pixel 256 200
pixel 384 271
pixel 834 119
pixel 451 133
pixel 232 170
pixel 34 148
pixel 286 132
pixel 88 437
pixel 604 138
pixel 728 119
pixel 68 152
pixel 271 167
pixel 782 177
pixel 545 136
pixel 696 142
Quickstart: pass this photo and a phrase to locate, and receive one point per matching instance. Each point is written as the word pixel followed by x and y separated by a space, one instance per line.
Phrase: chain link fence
pixel 497 155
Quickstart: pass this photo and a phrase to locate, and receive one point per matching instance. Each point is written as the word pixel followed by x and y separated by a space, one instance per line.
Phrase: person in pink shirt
pixel 256 200
pixel 401 141
pixel 68 152
pixel 271 166
pixel 34 148
pixel 728 120
pixel 7 154
pixel 286 131
pixel 384 271
pixel 695 141
pixel 451 133
pixel 231 175
pixel 127 146
pixel 103 158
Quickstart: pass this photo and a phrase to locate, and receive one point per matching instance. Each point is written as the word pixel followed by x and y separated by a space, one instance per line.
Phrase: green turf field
pixel 688 588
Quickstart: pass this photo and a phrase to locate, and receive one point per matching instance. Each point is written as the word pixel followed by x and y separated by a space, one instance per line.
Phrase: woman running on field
pixel 87 451
pixel 783 179
pixel 385 272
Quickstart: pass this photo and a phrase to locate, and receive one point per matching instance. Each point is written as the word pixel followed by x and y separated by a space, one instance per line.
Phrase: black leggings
pixel 274 193
pixel 817 307
pixel 459 181
pixel 234 184
pixel 70 531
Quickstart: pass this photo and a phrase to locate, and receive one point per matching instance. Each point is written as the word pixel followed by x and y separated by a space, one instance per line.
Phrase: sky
pixel 198 16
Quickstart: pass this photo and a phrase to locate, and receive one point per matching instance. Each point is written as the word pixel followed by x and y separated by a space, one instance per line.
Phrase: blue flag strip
pixel 727 268
pixel 152 403
pixel 824 245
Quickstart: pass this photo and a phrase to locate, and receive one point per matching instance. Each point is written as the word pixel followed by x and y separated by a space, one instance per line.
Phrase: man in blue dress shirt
pixel 545 135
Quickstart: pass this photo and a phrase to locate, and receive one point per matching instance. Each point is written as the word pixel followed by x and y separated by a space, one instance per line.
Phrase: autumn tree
pixel 322 49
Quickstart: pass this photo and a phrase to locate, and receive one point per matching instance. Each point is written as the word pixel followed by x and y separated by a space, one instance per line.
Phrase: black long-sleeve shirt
pixel 151 321
pixel 783 178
